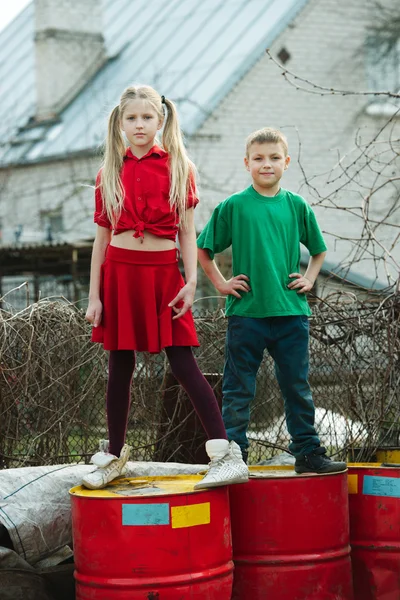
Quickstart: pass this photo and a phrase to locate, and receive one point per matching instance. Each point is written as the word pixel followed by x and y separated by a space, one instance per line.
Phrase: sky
pixel 9 10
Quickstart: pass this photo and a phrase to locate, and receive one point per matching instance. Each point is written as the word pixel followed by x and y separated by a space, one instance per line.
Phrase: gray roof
pixel 192 51
pixel 17 83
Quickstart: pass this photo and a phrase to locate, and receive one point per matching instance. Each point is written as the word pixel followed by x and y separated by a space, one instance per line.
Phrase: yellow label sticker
pixel 190 515
pixel 353 484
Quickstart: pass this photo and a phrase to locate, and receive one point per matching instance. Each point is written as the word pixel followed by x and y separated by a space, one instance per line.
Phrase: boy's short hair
pixel 265 135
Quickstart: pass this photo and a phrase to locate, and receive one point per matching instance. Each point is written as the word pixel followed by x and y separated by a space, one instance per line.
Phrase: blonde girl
pixel 145 196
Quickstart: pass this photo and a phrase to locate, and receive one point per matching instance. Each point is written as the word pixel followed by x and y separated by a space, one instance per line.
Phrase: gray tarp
pixel 35 506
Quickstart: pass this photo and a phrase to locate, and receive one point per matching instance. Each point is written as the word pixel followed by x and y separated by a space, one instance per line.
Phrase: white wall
pixel 26 191
pixel 326 44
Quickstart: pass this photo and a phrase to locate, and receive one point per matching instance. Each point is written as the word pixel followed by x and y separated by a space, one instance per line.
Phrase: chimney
pixel 69 49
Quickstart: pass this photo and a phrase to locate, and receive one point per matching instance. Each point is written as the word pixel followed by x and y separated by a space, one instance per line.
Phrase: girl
pixel 138 300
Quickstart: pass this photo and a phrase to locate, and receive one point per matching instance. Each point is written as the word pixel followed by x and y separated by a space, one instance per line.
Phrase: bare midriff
pixel 149 242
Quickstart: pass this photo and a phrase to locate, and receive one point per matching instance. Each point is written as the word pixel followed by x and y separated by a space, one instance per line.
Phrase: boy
pixel 266 297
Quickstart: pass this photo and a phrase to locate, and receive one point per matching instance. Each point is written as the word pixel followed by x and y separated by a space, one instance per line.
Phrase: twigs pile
pixel 53 382
pixel 358 344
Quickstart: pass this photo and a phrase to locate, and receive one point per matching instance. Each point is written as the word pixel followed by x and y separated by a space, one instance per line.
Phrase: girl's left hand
pixel 302 284
pixel 186 296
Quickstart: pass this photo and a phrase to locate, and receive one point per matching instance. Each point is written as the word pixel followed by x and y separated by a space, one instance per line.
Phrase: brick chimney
pixel 69 49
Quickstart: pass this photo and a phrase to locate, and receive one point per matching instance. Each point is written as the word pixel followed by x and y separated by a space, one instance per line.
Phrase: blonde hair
pixel 182 170
pixel 265 135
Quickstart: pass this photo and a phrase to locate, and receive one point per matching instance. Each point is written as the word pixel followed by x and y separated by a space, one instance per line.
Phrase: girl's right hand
pixel 233 286
pixel 93 313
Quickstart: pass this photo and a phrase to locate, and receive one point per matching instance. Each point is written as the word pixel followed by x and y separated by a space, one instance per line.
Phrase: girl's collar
pixel 154 150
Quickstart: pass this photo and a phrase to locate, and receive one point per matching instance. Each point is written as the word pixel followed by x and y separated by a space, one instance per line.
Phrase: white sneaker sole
pixel 215 484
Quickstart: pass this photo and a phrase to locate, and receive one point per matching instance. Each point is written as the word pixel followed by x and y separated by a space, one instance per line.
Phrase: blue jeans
pixel 286 339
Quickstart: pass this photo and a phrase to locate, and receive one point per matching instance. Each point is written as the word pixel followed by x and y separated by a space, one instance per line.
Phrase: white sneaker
pixel 236 451
pixel 109 466
pixel 226 465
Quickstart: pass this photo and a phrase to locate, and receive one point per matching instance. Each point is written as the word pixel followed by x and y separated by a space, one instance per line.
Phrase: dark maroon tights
pixel 184 367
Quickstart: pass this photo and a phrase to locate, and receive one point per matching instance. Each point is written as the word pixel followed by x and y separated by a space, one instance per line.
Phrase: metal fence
pixel 53 382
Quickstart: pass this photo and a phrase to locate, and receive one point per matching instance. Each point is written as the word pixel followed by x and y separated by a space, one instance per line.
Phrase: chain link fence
pixel 53 383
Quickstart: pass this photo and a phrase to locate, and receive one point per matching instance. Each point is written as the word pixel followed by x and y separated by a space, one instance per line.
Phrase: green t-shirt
pixel 265 234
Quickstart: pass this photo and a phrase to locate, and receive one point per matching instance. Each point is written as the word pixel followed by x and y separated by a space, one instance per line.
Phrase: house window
pixel 383 72
pixel 52 223
pixel 283 55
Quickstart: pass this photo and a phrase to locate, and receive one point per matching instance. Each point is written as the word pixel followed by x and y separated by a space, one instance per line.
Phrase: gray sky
pixel 9 10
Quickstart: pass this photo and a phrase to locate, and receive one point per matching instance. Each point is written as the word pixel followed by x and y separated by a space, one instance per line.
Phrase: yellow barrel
pixel 388 455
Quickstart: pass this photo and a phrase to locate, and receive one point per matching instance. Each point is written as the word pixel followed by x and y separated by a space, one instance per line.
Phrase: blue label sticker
pixel 145 514
pixel 381 486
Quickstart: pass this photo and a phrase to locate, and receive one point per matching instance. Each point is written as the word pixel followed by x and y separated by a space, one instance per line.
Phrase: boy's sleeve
pixel 217 234
pixel 312 237
pixel 100 216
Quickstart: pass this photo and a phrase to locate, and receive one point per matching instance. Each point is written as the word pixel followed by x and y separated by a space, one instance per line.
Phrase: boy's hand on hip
pixel 233 286
pixel 301 284
pixel 185 298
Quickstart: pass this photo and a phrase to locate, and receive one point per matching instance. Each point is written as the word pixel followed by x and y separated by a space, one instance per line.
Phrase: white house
pixel 65 63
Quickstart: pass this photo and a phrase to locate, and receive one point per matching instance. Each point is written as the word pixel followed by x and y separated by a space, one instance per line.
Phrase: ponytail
pixel 183 171
pixel 110 183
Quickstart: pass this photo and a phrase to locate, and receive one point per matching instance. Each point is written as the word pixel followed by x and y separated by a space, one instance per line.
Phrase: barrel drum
pixel 374 504
pixel 388 455
pixel 290 536
pixel 152 539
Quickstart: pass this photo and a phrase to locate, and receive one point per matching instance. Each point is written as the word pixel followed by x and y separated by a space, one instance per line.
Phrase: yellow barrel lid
pixel 282 471
pixel 184 484
pixel 372 465
pixel 143 486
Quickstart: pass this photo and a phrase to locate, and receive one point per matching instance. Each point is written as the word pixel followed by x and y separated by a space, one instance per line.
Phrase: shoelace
pixel 215 462
pixel 308 457
pixel 106 470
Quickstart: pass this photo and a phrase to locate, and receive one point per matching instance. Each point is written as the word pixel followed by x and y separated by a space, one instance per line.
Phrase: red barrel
pixel 374 503
pixel 152 538
pixel 290 536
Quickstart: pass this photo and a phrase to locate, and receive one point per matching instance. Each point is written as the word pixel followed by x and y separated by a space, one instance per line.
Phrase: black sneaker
pixel 317 462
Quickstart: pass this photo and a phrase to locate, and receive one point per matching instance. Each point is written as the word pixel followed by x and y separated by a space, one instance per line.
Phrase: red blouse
pixel 146 204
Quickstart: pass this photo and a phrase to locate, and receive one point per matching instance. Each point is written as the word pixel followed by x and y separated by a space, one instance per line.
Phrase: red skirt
pixel 136 288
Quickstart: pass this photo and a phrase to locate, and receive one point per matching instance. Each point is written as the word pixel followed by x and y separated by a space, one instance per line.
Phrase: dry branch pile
pixel 53 380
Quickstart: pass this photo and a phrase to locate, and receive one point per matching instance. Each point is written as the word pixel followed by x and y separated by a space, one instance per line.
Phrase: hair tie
pixel 162 99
